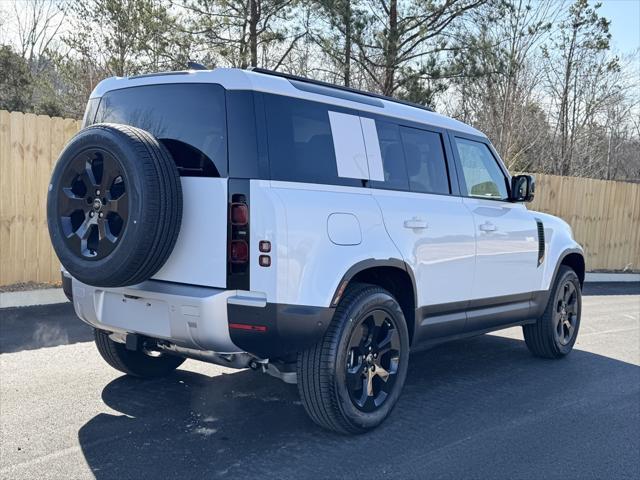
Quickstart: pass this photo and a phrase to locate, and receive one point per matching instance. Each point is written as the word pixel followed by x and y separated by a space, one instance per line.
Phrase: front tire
pixel 555 332
pixel 350 381
pixel 136 363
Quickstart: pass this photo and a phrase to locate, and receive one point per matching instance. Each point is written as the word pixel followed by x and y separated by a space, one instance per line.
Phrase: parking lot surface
pixel 475 408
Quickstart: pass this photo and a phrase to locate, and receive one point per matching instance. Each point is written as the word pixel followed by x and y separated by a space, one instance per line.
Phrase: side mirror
pixel 523 188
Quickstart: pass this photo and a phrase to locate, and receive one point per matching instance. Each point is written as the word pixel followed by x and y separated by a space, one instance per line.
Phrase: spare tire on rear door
pixel 114 205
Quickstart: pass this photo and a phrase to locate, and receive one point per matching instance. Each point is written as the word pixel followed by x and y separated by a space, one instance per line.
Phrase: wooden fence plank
pixel 5 181
pixel 43 173
pixel 29 201
pixel 16 198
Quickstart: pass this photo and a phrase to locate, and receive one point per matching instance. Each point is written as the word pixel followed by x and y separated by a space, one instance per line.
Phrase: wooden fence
pixel 29 147
pixel 605 215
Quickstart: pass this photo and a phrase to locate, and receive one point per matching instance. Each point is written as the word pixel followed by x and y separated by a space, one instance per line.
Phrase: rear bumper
pixel 203 318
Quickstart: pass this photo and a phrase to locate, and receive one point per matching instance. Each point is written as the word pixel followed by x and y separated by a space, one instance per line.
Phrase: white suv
pixel 315 232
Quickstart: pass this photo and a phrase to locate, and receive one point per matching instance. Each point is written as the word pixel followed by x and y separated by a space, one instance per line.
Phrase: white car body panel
pixel 268 217
pixel 506 257
pixel 442 254
pixel 199 256
pixel 314 264
pixel 558 241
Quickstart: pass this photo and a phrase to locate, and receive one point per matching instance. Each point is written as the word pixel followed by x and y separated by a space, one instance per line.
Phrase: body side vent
pixel 541 246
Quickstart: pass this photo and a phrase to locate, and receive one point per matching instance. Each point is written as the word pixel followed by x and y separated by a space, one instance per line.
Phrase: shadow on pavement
pixel 481 408
pixel 29 328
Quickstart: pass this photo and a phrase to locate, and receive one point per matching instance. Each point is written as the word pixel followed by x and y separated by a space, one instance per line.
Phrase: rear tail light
pixel 238 235
pixel 239 251
pixel 239 214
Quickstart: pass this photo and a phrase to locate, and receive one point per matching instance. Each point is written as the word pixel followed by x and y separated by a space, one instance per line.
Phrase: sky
pixel 625 23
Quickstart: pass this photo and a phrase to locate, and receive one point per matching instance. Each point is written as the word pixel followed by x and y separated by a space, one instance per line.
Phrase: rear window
pixel 189 119
pixel 301 146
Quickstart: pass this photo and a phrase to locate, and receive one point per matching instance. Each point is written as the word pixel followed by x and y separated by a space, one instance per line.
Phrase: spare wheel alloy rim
pixel 93 203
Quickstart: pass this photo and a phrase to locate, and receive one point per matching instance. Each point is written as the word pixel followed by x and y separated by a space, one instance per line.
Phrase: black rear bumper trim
pixel 289 328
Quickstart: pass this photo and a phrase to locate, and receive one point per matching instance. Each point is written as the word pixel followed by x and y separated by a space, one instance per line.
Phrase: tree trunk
pixel 254 17
pixel 347 20
pixel 564 108
pixel 391 50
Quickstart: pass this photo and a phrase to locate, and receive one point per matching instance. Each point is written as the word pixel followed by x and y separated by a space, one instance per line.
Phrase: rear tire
pixel 555 332
pixel 136 363
pixel 350 381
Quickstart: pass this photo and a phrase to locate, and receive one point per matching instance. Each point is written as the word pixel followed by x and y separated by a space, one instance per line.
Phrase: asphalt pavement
pixel 476 408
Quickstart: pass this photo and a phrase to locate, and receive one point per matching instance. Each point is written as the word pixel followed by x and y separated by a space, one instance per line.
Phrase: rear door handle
pixel 488 227
pixel 415 223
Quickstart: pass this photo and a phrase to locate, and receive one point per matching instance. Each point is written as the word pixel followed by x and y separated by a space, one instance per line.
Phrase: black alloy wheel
pixel 373 357
pixel 566 313
pixel 93 203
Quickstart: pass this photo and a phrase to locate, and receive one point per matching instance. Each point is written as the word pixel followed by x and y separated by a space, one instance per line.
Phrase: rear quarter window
pixel 189 119
pixel 301 147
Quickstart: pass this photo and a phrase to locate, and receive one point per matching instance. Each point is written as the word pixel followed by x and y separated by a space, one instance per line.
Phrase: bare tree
pixel 38 24
pixel 573 61
pixel 125 37
pixel 237 31
pixel 401 44
pixel 499 89
pixel 338 24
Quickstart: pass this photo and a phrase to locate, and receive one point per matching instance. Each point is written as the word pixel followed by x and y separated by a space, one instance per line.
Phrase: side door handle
pixel 487 227
pixel 415 223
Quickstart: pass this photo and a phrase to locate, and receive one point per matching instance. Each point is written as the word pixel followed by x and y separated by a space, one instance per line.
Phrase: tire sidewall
pixel 364 304
pixel 566 275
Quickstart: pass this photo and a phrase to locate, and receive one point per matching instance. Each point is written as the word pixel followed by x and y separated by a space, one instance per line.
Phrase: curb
pixel 46 296
pixel 612 277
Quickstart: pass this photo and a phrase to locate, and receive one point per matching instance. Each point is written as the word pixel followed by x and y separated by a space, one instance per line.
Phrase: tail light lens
pixel 239 251
pixel 238 234
pixel 239 214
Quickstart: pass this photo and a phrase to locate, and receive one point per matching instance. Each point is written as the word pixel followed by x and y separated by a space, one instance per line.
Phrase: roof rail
pixel 338 87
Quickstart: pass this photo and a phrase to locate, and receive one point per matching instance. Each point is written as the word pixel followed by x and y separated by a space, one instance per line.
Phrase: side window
pixel 482 175
pixel 393 163
pixel 300 143
pixel 426 165
pixel 90 112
